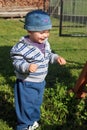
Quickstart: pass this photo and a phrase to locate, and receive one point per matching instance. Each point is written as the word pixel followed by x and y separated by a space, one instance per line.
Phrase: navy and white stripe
pixel 23 54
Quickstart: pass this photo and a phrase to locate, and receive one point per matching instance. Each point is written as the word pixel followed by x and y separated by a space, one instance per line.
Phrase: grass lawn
pixel 59 111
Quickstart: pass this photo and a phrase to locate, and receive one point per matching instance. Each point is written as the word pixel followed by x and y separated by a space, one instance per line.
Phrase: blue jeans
pixel 28 99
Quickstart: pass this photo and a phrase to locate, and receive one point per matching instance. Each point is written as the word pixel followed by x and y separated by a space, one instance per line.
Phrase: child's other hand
pixel 61 61
pixel 33 67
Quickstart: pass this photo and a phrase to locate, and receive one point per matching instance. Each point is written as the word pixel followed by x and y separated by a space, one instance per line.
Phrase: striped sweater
pixel 24 53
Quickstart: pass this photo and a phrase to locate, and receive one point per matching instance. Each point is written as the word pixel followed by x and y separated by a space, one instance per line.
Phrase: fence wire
pixel 71 16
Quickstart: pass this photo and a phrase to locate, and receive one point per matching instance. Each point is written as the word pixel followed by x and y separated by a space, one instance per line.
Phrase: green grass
pixel 59 110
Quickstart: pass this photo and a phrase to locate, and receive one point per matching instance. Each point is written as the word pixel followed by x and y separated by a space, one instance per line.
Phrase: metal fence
pixel 71 16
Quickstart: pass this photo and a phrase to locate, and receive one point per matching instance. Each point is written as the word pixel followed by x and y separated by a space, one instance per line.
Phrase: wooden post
pixel 80 84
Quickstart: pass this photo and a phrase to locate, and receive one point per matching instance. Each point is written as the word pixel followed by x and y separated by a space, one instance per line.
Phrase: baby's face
pixel 39 37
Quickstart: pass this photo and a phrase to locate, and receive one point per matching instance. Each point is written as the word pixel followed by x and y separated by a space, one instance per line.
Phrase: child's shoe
pixel 34 126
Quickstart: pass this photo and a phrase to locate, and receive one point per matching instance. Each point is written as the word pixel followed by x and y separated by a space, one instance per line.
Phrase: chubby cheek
pixel 38 36
pixel 48 35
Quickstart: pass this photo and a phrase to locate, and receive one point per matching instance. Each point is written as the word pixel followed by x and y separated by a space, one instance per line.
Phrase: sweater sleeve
pixel 19 62
pixel 53 56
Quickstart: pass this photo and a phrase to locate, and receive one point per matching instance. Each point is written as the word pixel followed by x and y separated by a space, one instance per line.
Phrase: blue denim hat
pixel 37 20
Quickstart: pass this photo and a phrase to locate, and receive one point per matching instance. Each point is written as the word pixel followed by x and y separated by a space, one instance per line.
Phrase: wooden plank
pixel 15 12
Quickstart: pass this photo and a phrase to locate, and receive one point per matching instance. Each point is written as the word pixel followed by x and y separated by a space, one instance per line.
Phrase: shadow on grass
pixel 64 127
pixel 6 68
pixel 7 111
pixel 62 74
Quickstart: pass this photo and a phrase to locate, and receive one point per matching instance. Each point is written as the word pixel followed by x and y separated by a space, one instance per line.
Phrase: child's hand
pixel 33 67
pixel 61 61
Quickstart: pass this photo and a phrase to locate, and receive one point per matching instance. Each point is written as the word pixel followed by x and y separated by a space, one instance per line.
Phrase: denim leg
pixel 38 99
pixel 28 99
